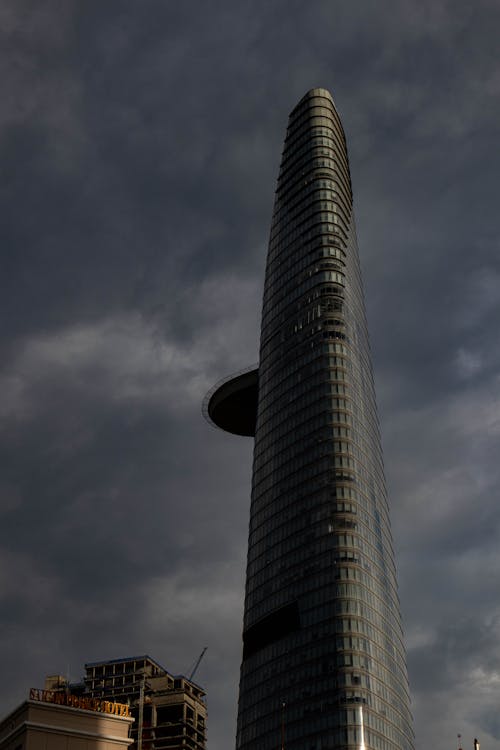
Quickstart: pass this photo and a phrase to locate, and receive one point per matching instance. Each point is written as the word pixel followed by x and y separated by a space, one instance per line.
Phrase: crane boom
pixel 197 663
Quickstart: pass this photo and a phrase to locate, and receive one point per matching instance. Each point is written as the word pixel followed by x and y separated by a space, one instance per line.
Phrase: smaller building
pixel 56 720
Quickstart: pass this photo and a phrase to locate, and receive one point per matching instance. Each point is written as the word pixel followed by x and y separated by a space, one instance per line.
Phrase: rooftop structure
pixel 323 658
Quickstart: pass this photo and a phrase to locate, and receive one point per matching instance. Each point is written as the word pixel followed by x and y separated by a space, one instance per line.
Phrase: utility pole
pixel 141 711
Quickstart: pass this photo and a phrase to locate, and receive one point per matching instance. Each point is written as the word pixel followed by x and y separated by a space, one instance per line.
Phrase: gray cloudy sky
pixel 140 144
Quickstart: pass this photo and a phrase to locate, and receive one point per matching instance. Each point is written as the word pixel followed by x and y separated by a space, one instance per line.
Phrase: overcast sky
pixel 140 145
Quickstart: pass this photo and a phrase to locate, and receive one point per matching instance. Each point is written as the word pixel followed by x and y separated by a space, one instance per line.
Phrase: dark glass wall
pixel 323 662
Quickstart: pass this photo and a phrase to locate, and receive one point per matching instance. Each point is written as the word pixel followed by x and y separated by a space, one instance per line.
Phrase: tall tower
pixel 323 657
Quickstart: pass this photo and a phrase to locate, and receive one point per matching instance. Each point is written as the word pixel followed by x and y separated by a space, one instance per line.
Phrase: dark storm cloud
pixel 140 145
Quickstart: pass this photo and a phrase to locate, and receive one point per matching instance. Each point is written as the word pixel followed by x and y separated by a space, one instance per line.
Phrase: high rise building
pixel 323 658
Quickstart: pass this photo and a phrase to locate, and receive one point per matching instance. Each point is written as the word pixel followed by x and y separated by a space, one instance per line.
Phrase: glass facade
pixel 323 657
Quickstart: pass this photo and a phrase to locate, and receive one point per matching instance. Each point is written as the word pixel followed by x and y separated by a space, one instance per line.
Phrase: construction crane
pixel 198 660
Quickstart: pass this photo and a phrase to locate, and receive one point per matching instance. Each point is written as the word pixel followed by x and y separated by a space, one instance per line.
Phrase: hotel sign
pixel 80 701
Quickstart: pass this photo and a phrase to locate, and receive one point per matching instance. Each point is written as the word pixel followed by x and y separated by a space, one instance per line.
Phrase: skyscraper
pixel 323 657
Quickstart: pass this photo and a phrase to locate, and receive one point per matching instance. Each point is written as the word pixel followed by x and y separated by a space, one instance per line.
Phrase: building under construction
pixel 169 710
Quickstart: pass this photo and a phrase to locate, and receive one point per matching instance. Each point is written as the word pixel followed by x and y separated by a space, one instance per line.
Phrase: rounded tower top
pixel 313 94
